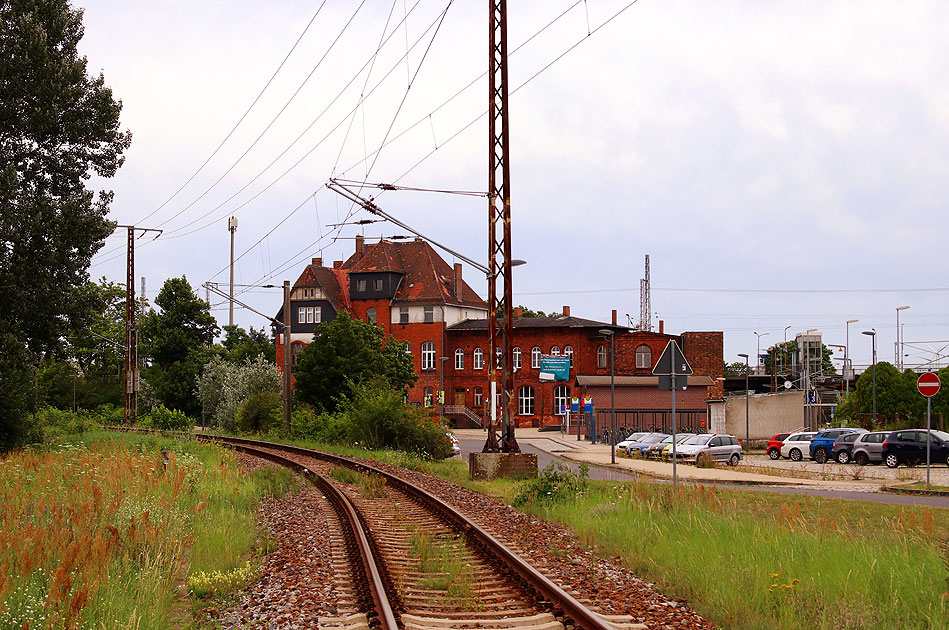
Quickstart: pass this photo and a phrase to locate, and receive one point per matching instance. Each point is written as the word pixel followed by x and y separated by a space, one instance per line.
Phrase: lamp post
pixel 899 343
pixel 784 350
pixel 609 333
pixel 847 369
pixel 747 424
pixel 873 335
pixel 758 353
pixel 441 385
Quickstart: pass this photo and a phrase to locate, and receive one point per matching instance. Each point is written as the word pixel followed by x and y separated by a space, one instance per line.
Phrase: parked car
pixel 909 447
pixel 868 447
pixel 797 444
pixel 633 437
pixel 843 447
pixel 656 450
pixel 774 445
pixel 719 447
pixel 455 445
pixel 823 443
pixel 637 448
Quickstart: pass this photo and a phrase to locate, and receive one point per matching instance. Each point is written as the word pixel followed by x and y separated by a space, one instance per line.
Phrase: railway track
pixel 413 562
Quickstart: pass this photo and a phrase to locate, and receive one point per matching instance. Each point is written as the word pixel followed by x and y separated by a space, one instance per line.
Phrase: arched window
pixel 478 359
pixel 601 357
pixel 535 357
pixel 561 399
pixel 459 359
pixel 555 351
pixel 568 352
pixel 295 350
pixel 478 397
pixel 371 315
pixel 525 401
pixel 517 358
pixel 643 357
pixel 428 355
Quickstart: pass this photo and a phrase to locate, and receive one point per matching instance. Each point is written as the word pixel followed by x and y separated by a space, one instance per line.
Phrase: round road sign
pixel 928 384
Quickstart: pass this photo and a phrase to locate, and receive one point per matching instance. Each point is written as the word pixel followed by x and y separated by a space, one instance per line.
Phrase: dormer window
pixel 429 314
pixel 361 285
pixel 377 284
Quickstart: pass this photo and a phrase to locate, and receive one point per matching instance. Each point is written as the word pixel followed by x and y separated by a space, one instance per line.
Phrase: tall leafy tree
pixel 58 127
pixel 241 344
pixel 176 342
pixel 344 353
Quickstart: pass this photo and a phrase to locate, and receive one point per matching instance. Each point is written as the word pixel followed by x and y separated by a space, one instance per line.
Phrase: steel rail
pixel 562 602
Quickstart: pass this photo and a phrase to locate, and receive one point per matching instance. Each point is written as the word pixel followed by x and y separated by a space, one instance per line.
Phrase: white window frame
pixel 646 354
pixel 361 285
pixel 561 396
pixel 459 359
pixel 377 284
pixel 428 355
pixel 477 359
pixel 555 351
pixel 568 352
pixel 429 314
pixel 301 315
pixel 517 358
pixel 478 397
pixel 525 401
pixel 535 357
pixel 601 357
pixel 403 314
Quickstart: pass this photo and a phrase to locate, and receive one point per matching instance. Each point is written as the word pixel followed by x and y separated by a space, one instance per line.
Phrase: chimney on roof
pixel 566 311
pixel 360 245
pixel 661 326
pixel 614 316
pixel 337 264
pixel 518 312
pixel 458 283
pixel 318 262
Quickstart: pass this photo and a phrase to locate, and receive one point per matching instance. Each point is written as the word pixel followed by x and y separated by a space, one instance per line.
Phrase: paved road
pixel 469 445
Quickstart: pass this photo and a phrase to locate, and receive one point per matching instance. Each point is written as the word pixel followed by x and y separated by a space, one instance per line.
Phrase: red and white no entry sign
pixel 928 384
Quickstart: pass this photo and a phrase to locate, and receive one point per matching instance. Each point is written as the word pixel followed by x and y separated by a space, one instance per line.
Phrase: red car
pixel 774 445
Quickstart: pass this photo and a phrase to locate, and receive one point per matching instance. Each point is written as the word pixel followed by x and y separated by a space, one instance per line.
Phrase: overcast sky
pixel 782 163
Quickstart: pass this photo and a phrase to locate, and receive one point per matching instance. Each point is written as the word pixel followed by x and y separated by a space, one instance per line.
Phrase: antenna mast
pixel 645 312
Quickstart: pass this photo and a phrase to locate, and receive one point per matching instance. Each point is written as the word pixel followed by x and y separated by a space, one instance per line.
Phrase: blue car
pixel 640 447
pixel 823 443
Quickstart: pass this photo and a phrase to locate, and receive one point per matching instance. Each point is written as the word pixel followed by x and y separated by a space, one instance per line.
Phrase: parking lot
pixel 939 473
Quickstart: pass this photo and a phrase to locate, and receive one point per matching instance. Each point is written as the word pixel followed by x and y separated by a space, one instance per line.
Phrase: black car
pixel 909 447
pixel 843 447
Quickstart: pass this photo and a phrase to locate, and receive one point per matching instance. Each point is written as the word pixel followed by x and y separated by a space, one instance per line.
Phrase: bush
pixel 555 483
pixel 260 413
pixel 109 414
pixel 165 419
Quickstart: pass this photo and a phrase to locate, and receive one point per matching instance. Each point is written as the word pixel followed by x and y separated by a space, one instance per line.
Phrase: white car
pixel 621 446
pixel 797 444
pixel 455 445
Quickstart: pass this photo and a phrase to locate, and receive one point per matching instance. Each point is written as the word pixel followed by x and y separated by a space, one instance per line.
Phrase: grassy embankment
pixel 99 532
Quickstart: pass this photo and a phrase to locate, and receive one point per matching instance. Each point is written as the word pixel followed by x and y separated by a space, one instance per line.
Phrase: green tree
pixel 240 344
pixel 176 341
pixel 59 126
pixel 898 401
pixel 783 355
pixel 224 385
pixel 738 368
pixel 344 353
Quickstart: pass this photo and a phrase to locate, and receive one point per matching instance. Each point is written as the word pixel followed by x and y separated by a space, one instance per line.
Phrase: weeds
pixel 372 486
pixel 556 482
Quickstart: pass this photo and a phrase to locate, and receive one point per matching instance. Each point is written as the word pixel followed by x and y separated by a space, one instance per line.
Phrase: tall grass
pixel 98 536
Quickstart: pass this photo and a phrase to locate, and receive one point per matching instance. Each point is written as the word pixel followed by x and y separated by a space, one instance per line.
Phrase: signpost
pixel 928 385
pixel 671 363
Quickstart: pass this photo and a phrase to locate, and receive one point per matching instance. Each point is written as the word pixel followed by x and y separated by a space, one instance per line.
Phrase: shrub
pixel 165 419
pixel 704 460
pixel 555 483
pixel 260 413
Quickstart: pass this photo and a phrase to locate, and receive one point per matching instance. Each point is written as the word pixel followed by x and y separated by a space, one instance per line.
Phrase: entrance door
pixel 460 396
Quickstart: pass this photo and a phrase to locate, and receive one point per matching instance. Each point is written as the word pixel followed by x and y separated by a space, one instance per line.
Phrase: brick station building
pixel 418 298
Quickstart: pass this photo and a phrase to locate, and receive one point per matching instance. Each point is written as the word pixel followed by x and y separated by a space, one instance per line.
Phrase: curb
pixel 905 489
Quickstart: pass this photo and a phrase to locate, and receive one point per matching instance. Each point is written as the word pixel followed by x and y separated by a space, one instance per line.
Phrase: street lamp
pixel 847 356
pixel 758 355
pixel 784 350
pixel 609 333
pixel 873 334
pixel 899 343
pixel 747 429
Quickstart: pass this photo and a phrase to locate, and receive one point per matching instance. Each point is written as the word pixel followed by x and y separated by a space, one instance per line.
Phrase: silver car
pixel 656 449
pixel 868 448
pixel 720 447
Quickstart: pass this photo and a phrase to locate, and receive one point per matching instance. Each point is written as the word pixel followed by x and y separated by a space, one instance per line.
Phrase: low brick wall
pixel 488 466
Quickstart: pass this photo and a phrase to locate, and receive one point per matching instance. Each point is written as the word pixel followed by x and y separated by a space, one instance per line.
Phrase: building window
pixel 308 315
pixel 643 357
pixel 428 355
pixel 601 357
pixel 295 349
pixel 478 359
pixel 525 401
pixel 371 316
pixel 377 284
pixel 403 314
pixel 459 359
pixel 429 314
pixel 535 357
pixel 517 358
pixel 497 358
pixel 568 352
pixel 555 351
pixel 561 399
pixel 478 397
pixel 361 285
pixel 408 348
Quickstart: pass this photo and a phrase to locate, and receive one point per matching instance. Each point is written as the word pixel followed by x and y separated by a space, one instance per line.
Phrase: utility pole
pixel 286 356
pixel 131 328
pixel 232 226
pixel 500 333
